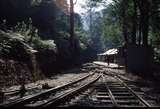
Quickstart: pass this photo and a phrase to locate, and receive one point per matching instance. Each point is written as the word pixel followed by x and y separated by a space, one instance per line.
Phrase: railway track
pixel 122 94
pixel 111 93
pixel 12 93
pixel 60 99
pixel 102 88
pixel 21 101
pixel 9 95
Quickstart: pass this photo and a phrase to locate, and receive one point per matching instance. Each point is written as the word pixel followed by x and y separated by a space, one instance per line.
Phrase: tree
pixel 112 31
pixel 72 37
pixel 72 25
pixel 94 23
pixel 139 13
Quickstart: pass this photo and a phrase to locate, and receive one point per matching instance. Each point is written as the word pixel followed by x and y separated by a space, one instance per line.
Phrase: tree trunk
pixel 134 28
pixel 72 26
pixel 144 7
pixel 90 20
pixel 139 22
pixel 145 29
pixel 140 32
pixel 124 21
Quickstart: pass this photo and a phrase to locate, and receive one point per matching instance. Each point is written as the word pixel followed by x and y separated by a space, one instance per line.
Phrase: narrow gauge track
pixel 22 101
pixel 62 98
pixel 14 92
pixel 123 94
pixel 10 95
pixel 105 89
pixel 111 91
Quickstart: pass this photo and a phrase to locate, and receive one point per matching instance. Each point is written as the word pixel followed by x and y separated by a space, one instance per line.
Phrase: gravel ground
pixel 54 81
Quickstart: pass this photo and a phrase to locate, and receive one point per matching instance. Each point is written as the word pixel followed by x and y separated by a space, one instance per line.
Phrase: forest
pixel 39 38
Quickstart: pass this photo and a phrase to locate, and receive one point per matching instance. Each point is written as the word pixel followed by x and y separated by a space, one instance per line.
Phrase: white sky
pixel 79 9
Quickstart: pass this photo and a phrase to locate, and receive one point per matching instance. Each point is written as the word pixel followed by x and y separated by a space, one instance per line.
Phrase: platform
pixel 111 65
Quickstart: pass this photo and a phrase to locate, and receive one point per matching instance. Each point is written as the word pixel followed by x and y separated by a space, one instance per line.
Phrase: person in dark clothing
pixel 1 96
pixel 108 59
pixel 22 90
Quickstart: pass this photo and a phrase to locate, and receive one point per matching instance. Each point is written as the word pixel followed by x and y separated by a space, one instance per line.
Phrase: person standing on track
pixel 108 59
pixel 22 90
pixel 1 96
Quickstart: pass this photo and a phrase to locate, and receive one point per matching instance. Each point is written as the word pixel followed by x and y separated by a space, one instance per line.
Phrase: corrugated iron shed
pixel 110 52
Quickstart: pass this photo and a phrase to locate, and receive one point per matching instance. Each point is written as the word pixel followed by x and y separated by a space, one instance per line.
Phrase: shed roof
pixel 110 52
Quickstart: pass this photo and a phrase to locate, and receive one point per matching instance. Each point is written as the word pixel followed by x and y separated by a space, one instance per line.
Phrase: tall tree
pixel 144 7
pixel 124 23
pixel 134 22
pixel 72 25
pixel 72 37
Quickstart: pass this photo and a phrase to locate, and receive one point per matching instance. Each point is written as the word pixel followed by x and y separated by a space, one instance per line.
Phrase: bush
pixel 13 46
pixel 31 36
pixel 157 55
pixel 39 44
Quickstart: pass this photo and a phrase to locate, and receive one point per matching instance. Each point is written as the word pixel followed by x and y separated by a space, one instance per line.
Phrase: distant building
pixel 109 53
pixel 115 56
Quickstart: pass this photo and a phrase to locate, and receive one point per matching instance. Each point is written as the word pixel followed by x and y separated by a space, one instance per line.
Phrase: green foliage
pixel 94 23
pixel 83 40
pixel 112 31
pixel 112 35
pixel 81 34
pixel 31 36
pixel 23 34
pixel 26 29
pixel 62 23
pixel 39 44
pixel 12 46
pixel 155 21
pixel 157 55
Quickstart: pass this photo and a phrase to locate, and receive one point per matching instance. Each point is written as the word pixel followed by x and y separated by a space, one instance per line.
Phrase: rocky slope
pixel 19 62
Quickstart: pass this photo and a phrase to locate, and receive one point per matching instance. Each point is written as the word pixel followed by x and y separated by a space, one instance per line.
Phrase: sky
pixel 79 9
